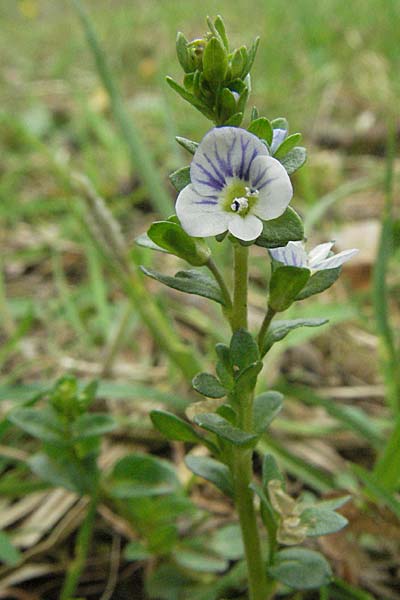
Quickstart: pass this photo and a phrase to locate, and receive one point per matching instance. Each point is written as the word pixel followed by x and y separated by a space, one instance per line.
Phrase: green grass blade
pixel 377 491
pixel 98 287
pixel 141 158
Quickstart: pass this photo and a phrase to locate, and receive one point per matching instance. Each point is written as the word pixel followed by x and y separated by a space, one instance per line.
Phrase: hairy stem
pixel 222 286
pixel 239 309
pixel 264 327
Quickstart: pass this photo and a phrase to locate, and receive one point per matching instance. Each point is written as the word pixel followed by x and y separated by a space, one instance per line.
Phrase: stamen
pixel 240 205
pixel 252 192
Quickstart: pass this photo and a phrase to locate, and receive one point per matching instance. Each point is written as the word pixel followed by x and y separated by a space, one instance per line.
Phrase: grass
pixel 326 65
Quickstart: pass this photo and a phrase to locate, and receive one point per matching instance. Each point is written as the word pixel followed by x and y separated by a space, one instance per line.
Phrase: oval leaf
pixel 278 232
pixel 224 430
pixel 213 471
pixel 173 427
pixel 208 385
pixel 301 569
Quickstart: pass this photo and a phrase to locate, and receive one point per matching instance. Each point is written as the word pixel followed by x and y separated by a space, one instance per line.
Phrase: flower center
pixel 238 197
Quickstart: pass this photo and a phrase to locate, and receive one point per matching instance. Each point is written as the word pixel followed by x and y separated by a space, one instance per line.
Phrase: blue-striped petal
pixel 200 216
pixel 335 261
pixel 291 255
pixel 223 153
pixel 275 191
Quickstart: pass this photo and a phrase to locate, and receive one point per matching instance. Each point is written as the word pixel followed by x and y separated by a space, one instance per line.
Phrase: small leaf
pixel 215 61
pixel 136 551
pixel 243 350
pixel 280 123
pixel 183 53
pixel 294 159
pixel 189 145
pixel 235 120
pixel 180 178
pixel 144 241
pixel 237 63
pixel 220 27
pixel 190 98
pixel 208 385
pixel 171 237
pixel 223 367
pixel 266 407
pixel 92 425
pixel 270 471
pixel 319 282
pixel 301 569
pixel 213 471
pixel 262 128
pixel 333 503
pixel 43 424
pixel 143 476
pixel 280 329
pixel 223 429
pixel 9 554
pixel 251 57
pixel 190 282
pixel 286 283
pixel 278 232
pixel 287 145
pixel 199 559
pixel 226 105
pixel 246 381
pixel 173 427
pixel 227 542
pixel 320 521
pixel 62 473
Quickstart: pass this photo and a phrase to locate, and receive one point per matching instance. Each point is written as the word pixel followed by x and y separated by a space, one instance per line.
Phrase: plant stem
pixel 264 327
pixel 239 309
pixel 81 551
pixel 223 287
pixel 242 467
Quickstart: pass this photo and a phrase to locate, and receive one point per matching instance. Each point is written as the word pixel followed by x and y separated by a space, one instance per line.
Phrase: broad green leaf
pixel 266 407
pixel 278 232
pixel 270 471
pixel 286 283
pixel 319 282
pixel 63 473
pixel 213 471
pixel 243 350
pixel 167 582
pixel 180 178
pixel 227 542
pixel 215 61
pixel 301 569
pixel 294 159
pixel 247 379
pixel 223 367
pixel 200 560
pixel 226 105
pixel 280 123
pixel 321 521
pixel 189 282
pixel 92 425
pixel 224 430
pixel 287 145
pixel 278 330
pixel 183 53
pixel 144 241
pixel 208 385
pixel 135 550
pixel 235 120
pixel 141 475
pixel 173 427
pixel 171 237
pixel 262 128
pixel 9 554
pixel 189 145
pixel 43 424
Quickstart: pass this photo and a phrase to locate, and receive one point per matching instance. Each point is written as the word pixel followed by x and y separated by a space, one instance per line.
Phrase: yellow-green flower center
pixel 239 198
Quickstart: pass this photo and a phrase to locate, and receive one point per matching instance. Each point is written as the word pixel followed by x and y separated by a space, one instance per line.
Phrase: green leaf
pixel 190 282
pixel 262 128
pixel 135 550
pixel 286 283
pixel 143 476
pixel 223 367
pixel 266 407
pixel 321 521
pixel 333 503
pixel 246 381
pixel 171 237
pixel 43 424
pixel 226 105
pixel 235 120
pixel 190 98
pixel 199 559
pixel 294 159
pixel 183 53
pixel 227 542
pixel 62 473
pixel 173 427
pixel 92 425
pixel 180 178
pixel 270 471
pixel 215 61
pixel 319 282
pixel 144 241
pixel 280 123
pixel 167 582
pixel 189 145
pixel 280 329
pixel 220 27
pixel 287 145
pixel 278 232
pixel 213 471
pixel 237 63
pixel 251 57
pixel 377 490
pixel 301 569
pixel 9 554
pixel 224 430
pixel 243 350
pixel 208 385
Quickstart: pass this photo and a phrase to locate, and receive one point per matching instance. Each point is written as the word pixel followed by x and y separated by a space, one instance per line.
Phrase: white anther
pixel 251 192
pixel 240 205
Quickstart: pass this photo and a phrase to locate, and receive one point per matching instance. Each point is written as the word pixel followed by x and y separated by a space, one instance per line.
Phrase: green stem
pixel 242 464
pixel 239 309
pixel 222 286
pixel 81 551
pixel 264 327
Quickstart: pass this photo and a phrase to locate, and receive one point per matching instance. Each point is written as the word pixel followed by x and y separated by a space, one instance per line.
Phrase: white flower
pixel 235 185
pixel 294 255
